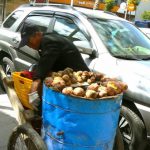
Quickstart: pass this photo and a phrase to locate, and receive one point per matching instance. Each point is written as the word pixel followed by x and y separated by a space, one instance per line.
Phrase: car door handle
pixel 15 40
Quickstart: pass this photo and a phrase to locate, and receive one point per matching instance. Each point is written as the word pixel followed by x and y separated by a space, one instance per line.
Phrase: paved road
pixel 7 120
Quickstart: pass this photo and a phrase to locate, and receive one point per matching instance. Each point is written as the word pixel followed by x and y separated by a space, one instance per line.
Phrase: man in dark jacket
pixel 56 53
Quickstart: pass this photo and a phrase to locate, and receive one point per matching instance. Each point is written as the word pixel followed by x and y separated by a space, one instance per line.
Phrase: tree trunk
pixel 96 4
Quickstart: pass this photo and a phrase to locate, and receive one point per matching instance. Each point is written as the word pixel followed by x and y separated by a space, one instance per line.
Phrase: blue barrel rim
pixel 89 99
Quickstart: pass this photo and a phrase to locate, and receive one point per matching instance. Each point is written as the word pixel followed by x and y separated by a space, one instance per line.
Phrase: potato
pixel 89 81
pixel 79 92
pixel 79 73
pixel 124 86
pixel 67 90
pixel 119 88
pixel 60 73
pixel 68 83
pixel 91 74
pixel 98 76
pixel 58 78
pixel 73 80
pixel 104 84
pixel 92 78
pixel 68 70
pixel 66 77
pixel 111 91
pixel 93 86
pixel 85 73
pixel 74 73
pixel 91 94
pixel 58 86
pixel 102 93
pixel 58 81
pixel 106 79
pixel 100 88
pixel 70 75
pixel 54 74
pixel 79 79
pixel 112 84
pixel 84 78
pixel 48 81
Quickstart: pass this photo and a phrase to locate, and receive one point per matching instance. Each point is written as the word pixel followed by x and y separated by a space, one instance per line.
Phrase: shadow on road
pixel 2 91
pixel 7 123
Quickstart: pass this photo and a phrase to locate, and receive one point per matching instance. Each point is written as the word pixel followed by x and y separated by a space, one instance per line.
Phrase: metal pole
pixel 96 4
pixel 71 3
pixel 125 17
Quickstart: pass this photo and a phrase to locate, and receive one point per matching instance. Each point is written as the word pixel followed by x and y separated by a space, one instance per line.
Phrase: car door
pixel 8 28
pixel 26 55
pixel 72 28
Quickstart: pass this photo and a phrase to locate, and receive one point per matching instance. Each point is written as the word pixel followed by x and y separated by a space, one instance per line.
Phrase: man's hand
pixel 35 85
pixel 34 100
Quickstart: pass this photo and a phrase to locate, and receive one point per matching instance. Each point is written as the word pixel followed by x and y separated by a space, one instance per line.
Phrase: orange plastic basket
pixel 22 87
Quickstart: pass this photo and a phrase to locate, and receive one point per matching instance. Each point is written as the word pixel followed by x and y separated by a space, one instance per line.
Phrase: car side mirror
pixel 85 48
pixel 93 54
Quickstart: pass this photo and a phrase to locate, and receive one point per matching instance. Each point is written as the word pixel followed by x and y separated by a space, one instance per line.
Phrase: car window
pixel 69 29
pixel 41 21
pixel 12 19
pixel 119 38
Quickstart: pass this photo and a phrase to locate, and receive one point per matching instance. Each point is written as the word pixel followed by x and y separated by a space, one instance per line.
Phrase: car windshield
pixel 122 39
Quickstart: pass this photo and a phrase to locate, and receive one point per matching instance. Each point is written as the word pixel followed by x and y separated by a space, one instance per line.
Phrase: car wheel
pixel 118 143
pixel 8 68
pixel 132 129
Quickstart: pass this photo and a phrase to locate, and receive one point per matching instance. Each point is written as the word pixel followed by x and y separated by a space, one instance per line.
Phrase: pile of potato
pixel 84 84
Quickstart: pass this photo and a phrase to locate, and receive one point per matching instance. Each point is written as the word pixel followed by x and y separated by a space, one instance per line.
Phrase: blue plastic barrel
pixel 71 123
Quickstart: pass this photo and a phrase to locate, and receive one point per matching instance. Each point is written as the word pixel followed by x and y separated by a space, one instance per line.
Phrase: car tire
pixel 118 143
pixel 132 129
pixel 8 67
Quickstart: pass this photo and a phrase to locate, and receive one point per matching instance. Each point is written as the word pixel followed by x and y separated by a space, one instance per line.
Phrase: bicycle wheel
pixel 24 137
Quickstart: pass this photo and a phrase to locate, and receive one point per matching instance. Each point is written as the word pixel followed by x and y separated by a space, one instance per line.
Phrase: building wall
pixel 13 4
pixel 143 6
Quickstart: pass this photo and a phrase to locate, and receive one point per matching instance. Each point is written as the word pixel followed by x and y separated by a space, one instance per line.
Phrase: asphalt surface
pixel 7 120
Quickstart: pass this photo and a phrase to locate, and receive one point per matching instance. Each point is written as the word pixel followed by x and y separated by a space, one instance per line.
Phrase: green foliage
pixel 135 2
pixel 146 15
pixel 109 4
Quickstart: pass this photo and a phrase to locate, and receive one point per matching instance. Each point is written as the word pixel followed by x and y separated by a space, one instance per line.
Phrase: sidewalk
pixel 7 121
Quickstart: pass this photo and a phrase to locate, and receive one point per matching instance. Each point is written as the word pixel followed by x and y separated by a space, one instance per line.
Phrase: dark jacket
pixel 57 53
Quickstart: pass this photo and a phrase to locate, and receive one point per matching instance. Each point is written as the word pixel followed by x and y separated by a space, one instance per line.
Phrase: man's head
pixel 30 36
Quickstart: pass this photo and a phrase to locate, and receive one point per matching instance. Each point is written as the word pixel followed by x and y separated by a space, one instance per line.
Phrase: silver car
pixel 108 44
pixel 146 31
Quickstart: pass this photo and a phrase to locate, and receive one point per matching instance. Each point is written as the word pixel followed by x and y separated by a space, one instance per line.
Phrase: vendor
pixel 56 53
